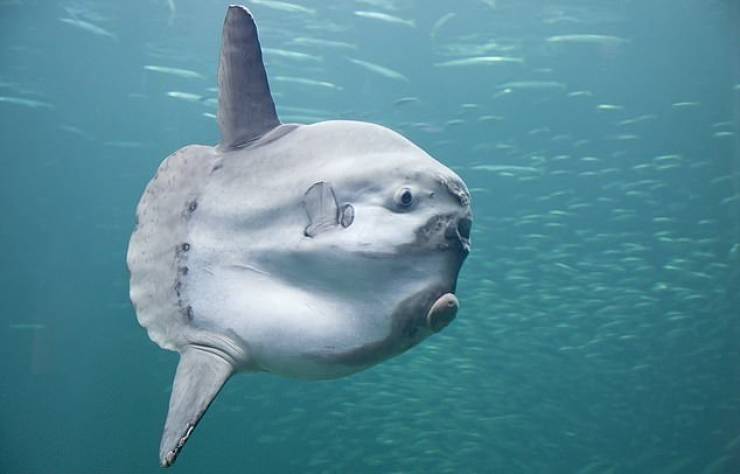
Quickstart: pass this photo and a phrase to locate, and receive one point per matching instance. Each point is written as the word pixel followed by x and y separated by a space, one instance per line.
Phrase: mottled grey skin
pixel 309 251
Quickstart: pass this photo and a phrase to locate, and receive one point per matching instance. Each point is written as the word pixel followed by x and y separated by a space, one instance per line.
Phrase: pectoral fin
pixel 321 207
pixel 199 377
pixel 323 210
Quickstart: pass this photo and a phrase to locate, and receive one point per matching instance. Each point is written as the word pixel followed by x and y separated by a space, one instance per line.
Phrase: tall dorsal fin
pixel 245 107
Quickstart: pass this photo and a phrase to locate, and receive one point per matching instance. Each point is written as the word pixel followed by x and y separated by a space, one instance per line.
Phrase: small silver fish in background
pixel 89 27
pixel 587 39
pixel 23 102
pixel 284 6
pixel 380 70
pixel 174 71
pixel 386 18
pixel 479 60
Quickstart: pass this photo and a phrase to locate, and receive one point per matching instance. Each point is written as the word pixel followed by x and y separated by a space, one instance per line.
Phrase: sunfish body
pixel 309 251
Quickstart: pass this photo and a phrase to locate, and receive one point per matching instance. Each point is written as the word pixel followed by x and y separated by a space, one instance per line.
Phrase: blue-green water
pixel 599 325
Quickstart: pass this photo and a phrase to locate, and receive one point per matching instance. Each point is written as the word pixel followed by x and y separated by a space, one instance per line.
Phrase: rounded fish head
pixel 408 238
pixel 325 249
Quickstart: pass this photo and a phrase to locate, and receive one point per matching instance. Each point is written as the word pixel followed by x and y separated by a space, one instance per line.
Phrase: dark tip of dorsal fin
pixel 245 107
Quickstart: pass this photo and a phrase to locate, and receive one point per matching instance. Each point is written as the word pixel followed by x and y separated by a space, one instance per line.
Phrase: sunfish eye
pixel 404 197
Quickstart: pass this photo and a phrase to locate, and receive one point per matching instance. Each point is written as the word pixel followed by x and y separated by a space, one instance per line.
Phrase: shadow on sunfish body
pixel 310 251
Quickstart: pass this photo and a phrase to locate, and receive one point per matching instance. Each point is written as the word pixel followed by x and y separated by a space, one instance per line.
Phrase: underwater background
pixel 599 330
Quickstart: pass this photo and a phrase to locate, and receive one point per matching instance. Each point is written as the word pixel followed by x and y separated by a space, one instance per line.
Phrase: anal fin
pixel 200 375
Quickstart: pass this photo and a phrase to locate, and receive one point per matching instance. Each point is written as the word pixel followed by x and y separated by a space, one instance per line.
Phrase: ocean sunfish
pixel 309 251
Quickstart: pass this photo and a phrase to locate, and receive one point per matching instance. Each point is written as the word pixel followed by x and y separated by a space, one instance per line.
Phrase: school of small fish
pixel 604 287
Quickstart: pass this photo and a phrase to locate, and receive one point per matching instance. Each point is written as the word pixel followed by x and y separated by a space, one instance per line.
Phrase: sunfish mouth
pixel 442 312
